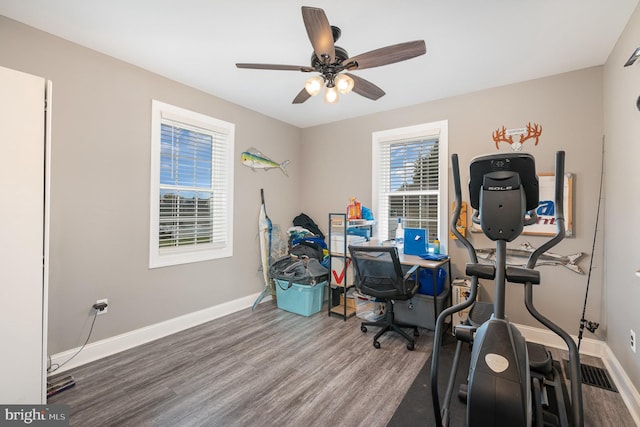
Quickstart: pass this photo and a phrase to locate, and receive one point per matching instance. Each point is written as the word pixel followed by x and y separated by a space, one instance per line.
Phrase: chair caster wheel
pixel 416 333
pixel 376 344
pixel 363 328
pixel 411 346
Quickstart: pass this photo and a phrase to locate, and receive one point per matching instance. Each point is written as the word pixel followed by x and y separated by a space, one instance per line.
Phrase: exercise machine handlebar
pixel 441 417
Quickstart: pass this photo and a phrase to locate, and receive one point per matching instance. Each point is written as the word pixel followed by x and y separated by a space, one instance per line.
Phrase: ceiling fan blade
pixel 302 96
pixel 276 67
pixel 319 32
pixel 365 88
pixel 387 55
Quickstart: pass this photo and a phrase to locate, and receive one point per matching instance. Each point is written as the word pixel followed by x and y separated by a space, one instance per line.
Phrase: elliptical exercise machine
pixel 510 382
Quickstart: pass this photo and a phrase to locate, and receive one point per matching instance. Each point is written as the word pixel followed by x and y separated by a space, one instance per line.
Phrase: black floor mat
pixel 416 408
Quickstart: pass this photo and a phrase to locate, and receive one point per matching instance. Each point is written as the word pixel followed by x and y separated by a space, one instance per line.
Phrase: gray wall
pixel 622 257
pixel 337 164
pixel 100 191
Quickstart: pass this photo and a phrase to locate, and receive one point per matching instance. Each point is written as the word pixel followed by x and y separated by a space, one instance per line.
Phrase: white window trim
pixel 438 129
pixel 160 110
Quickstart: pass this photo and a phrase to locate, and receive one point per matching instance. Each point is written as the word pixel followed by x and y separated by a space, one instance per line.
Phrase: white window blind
pixel 410 179
pixel 192 172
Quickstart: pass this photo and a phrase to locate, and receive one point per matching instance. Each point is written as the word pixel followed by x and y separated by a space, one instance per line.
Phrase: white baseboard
pixel 107 347
pixel 591 347
pixel 626 388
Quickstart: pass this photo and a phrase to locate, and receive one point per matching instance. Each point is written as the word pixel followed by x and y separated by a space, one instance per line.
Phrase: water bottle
pixel 400 237
pixel 436 246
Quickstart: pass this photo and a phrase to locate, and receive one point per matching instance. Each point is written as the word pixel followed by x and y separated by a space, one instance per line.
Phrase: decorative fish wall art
pixel 255 159
pixel 519 257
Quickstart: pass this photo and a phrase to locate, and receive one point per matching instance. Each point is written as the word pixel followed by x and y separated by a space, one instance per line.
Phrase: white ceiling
pixel 471 44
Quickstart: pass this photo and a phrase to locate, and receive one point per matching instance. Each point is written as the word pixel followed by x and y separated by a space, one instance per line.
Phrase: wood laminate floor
pixel 268 368
pixel 262 368
pixel 602 408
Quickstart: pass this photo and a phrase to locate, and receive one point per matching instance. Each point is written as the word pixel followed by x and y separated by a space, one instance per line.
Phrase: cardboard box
pixel 351 301
pixel 461 291
pixel 338 275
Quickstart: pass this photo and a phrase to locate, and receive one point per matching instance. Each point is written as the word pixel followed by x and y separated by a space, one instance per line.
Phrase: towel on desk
pixel 433 257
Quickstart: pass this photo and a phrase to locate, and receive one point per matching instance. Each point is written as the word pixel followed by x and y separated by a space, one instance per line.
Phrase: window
pixel 191 187
pixel 410 179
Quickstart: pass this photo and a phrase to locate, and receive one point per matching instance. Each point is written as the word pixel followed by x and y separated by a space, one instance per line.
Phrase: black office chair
pixel 378 273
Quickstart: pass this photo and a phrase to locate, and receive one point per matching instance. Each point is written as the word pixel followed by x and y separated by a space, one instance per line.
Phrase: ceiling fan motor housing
pixel 340 55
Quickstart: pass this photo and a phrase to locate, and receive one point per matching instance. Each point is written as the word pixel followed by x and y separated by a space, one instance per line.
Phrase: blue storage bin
pixel 299 299
pixel 426 281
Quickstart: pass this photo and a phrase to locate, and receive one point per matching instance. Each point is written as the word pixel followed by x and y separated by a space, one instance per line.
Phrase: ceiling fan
pixel 333 62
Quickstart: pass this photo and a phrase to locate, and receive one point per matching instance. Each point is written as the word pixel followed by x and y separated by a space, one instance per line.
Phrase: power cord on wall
pixel 53 368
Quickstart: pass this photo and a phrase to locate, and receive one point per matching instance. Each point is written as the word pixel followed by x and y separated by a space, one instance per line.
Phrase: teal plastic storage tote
pixel 298 298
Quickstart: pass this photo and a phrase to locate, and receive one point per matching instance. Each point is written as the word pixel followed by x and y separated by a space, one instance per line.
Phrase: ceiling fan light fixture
pixel 344 83
pixel 313 86
pixel 331 95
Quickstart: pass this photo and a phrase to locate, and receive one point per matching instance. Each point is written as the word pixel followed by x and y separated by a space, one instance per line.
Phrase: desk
pixel 411 260
pixel 405 260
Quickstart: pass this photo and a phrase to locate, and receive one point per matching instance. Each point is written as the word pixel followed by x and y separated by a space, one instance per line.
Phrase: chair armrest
pixel 410 272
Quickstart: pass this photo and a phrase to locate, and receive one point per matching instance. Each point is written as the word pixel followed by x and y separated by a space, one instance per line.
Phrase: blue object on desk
pixel 433 257
pixel 415 241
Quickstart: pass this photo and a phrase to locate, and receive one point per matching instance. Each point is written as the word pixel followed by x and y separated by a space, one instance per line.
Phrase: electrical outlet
pixel 632 340
pixel 106 309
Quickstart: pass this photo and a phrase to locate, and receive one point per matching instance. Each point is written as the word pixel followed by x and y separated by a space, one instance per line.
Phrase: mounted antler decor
pixel 506 135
